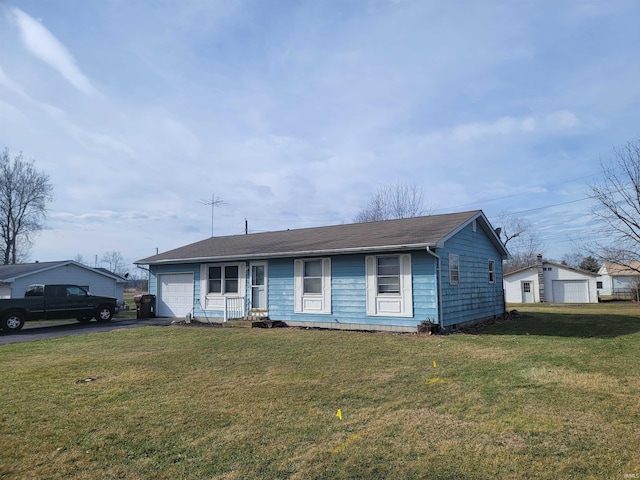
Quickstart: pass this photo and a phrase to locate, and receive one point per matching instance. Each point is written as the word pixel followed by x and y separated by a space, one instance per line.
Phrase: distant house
pixel 550 282
pixel 388 275
pixel 14 279
pixel 619 281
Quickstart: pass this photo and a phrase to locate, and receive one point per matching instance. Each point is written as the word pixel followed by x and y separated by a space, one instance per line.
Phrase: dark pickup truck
pixel 50 302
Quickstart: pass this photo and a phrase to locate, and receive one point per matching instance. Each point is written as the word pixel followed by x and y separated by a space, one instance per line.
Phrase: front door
pixel 259 286
pixel 527 292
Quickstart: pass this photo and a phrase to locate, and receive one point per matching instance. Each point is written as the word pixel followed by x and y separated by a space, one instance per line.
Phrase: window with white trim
pixel 454 269
pixel 389 285
pixel 492 271
pixel 312 285
pixel 223 279
pixel 220 281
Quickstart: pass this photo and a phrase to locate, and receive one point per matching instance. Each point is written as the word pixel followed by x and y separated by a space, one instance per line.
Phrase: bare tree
pixel 524 244
pixel 617 208
pixel 24 193
pixel 114 262
pixel 398 200
pixel 511 226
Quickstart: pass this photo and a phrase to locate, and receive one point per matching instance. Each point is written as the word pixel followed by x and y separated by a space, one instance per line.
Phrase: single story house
pixel 14 279
pixel 388 275
pixel 619 281
pixel 550 282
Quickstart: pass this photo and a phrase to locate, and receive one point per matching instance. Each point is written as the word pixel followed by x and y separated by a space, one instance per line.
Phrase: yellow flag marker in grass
pixel 429 381
pixel 435 365
pixel 339 414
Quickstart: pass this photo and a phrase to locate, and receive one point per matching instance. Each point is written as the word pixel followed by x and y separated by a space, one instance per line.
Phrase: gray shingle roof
pixel 416 232
pixel 9 272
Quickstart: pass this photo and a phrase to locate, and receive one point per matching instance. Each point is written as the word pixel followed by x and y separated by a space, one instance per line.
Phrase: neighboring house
pixel 14 279
pixel 619 281
pixel 388 275
pixel 550 282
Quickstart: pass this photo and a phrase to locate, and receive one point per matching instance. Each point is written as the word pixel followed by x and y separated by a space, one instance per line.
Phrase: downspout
pixel 439 287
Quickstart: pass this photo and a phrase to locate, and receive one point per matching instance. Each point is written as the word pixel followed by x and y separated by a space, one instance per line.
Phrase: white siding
pixel 513 286
pixel 565 285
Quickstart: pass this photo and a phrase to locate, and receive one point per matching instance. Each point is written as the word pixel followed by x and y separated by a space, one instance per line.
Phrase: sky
pixel 290 114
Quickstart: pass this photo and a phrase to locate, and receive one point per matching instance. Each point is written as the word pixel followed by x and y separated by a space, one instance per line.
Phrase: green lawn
pixel 554 393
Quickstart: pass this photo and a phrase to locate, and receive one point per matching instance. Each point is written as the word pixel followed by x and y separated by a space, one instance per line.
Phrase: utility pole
pixel 214 202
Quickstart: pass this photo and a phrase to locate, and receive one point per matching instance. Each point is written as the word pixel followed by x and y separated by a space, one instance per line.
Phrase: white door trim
pixel 261 289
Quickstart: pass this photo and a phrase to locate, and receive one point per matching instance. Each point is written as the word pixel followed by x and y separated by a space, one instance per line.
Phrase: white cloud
pixel 555 121
pixel 42 44
pixel 561 120
pixel 98 142
pixel 294 113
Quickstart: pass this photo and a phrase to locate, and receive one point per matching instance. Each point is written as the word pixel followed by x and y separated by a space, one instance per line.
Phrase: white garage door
pixel 175 294
pixel 570 291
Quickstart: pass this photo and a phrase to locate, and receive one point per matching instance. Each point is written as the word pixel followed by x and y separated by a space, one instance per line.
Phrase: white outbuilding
pixel 550 282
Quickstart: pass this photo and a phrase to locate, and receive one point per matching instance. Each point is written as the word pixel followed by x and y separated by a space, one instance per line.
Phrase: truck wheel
pixel 12 322
pixel 104 313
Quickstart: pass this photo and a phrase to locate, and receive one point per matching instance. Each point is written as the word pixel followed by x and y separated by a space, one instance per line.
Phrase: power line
pixel 532 190
pixel 554 205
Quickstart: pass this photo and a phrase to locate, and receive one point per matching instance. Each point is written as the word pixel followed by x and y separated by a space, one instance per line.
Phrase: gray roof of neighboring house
pixel 11 272
pixel 401 234
pixel 8 273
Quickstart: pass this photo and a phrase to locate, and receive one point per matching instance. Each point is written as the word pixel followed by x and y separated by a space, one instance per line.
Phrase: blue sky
pixel 293 112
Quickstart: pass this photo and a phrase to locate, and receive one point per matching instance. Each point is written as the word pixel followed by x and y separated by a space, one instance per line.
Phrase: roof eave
pixel 302 253
pixel 504 253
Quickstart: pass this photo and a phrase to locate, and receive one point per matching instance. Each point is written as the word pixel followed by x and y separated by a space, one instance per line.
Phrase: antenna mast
pixel 214 202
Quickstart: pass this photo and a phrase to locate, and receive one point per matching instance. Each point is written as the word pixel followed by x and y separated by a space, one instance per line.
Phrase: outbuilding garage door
pixel 570 291
pixel 175 294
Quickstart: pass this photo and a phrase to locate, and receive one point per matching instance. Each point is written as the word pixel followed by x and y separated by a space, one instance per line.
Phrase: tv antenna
pixel 214 202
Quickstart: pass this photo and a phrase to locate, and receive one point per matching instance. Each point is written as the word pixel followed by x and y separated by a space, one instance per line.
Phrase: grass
pixel 554 393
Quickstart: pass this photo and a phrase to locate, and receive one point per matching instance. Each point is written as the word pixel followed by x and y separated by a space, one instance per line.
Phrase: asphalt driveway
pixel 35 331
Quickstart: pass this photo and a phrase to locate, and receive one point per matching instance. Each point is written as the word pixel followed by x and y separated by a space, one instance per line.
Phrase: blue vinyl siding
pixel 280 302
pixel 474 297
pixel 348 292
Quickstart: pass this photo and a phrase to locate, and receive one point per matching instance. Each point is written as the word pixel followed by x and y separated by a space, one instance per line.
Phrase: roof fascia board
pixel 303 253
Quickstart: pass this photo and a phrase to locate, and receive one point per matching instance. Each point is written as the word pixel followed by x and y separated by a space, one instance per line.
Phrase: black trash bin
pixel 145 306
